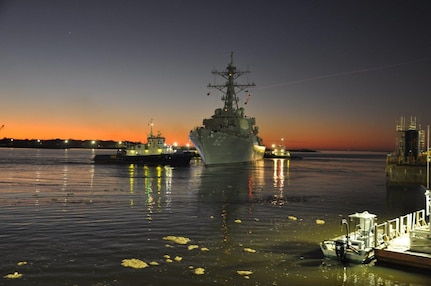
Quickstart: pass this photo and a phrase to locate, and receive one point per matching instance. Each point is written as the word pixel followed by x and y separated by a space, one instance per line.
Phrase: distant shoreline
pixel 302 150
pixel 62 143
pixel 81 144
pixel 107 144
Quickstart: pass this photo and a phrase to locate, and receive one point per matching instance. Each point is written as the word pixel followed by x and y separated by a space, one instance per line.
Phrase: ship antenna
pixel 231 87
pixel 151 127
pixel 427 192
pixel 428 157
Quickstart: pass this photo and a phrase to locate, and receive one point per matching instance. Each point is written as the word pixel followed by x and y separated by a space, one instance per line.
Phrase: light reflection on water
pixel 74 222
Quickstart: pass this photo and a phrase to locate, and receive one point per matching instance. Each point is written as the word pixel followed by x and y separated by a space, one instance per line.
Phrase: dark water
pixel 70 222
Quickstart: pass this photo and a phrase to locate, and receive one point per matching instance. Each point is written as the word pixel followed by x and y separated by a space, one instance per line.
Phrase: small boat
pixel 356 246
pixel 277 151
pixel 154 152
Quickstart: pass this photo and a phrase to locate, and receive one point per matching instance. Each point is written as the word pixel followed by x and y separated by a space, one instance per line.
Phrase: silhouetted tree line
pixel 59 143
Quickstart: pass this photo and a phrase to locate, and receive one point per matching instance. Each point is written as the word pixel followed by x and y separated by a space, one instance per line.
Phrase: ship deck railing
pixel 391 229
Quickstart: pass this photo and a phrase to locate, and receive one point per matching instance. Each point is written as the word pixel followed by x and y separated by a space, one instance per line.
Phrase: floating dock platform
pixel 405 241
pixel 402 257
pixel 405 174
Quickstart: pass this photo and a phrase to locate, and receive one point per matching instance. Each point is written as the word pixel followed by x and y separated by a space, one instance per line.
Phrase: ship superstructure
pixel 156 145
pixel 229 136
pixel 407 164
pixel 410 142
pixel 154 152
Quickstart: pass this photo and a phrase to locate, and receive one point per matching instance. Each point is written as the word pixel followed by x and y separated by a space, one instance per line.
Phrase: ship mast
pixel 230 88
pixel 151 124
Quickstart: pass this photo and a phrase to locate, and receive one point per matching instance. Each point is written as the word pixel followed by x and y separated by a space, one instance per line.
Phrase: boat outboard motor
pixel 341 246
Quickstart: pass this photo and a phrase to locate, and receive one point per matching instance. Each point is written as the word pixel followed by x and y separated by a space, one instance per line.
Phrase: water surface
pixel 72 222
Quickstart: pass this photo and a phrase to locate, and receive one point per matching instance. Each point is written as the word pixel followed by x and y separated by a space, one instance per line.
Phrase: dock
pixel 405 241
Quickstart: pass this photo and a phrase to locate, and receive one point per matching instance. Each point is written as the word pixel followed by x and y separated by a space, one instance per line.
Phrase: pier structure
pixel 405 241
pixel 410 142
pixel 406 165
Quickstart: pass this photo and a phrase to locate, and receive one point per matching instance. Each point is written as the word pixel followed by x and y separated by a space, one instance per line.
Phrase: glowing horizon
pixel 294 140
pixel 336 85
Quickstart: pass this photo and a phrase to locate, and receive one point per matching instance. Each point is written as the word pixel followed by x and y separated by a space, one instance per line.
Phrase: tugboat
pixel 356 246
pixel 154 152
pixel 228 136
pixel 278 151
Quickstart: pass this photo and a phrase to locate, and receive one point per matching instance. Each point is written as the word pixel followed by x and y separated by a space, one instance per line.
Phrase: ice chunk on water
pixel 177 239
pixel 134 263
pixel 15 275
pixel 199 271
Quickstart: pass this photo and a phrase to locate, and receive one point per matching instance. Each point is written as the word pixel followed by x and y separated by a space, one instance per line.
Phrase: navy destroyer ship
pixel 229 136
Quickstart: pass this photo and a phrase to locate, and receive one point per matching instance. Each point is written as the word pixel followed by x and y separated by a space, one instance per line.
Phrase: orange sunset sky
pixel 329 75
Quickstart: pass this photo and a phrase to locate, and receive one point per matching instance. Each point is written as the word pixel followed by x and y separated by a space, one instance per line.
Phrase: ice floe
pixel 15 275
pixel 177 239
pixel 244 272
pixel 199 271
pixel 134 263
pixel 192 246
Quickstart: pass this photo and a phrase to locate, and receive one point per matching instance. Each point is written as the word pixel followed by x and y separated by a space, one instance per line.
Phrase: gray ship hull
pixel 222 148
